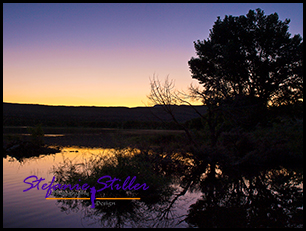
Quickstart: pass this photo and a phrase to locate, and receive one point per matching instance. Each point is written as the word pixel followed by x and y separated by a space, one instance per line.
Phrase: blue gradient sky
pixel 104 54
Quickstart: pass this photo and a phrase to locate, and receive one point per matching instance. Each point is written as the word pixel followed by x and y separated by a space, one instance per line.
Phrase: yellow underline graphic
pixel 78 198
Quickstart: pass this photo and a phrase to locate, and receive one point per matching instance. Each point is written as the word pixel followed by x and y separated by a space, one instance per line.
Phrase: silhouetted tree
pixel 166 96
pixel 250 55
pixel 247 63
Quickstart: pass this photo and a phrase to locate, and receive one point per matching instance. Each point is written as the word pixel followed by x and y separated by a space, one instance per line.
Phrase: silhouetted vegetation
pixel 243 149
pixel 250 55
pixel 231 197
pixel 22 147
pixel 250 74
pixel 251 82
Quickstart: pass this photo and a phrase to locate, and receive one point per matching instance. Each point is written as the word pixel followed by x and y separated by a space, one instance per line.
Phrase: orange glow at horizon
pixel 104 54
pixel 65 77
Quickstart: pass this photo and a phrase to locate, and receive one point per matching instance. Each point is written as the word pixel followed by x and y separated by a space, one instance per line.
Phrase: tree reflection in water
pixel 230 198
pixel 271 198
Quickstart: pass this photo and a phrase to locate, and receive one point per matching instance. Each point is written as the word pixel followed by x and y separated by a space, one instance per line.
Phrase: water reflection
pixel 267 198
pixel 180 193
pixel 152 210
pixel 271 198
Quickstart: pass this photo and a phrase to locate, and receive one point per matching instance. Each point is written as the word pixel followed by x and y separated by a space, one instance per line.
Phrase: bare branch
pixel 166 96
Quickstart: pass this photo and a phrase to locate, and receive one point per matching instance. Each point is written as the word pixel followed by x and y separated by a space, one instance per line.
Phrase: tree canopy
pixel 252 55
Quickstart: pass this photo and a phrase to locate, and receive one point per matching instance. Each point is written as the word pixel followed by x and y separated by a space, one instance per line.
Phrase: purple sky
pixel 104 54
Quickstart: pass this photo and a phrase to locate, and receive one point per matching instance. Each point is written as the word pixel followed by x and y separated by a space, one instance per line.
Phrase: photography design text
pixel 105 181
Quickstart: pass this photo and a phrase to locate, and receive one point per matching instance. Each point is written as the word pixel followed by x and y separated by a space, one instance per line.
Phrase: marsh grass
pixel 155 170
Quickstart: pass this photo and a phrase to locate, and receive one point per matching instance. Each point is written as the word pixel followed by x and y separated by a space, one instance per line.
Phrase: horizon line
pixel 65 105
pixel 62 105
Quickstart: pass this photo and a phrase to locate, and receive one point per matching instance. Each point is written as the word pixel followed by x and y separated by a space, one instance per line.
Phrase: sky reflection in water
pixel 220 201
pixel 31 209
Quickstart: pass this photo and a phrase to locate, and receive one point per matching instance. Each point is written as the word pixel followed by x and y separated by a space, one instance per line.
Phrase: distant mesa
pixel 22 114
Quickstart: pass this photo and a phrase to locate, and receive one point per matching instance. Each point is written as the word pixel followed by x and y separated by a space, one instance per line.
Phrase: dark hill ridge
pixel 29 114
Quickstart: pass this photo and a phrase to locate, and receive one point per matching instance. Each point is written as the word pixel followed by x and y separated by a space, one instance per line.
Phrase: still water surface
pixel 31 209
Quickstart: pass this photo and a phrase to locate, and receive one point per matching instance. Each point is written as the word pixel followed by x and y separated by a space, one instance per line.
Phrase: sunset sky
pixel 104 54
